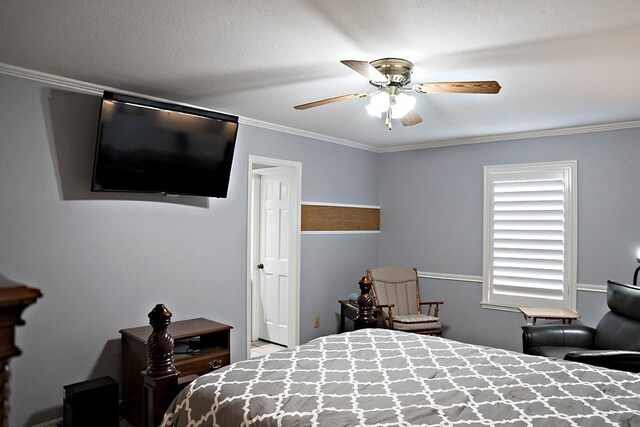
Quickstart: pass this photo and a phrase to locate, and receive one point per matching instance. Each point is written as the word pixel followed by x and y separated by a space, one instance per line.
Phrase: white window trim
pixel 569 169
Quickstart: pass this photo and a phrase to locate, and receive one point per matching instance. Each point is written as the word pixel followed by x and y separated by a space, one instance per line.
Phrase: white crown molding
pixel 514 136
pixel 95 89
pixel 75 85
pixel 83 87
pixel 307 134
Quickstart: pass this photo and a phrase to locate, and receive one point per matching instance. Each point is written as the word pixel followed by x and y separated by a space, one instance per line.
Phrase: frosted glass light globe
pixel 403 104
pixel 378 104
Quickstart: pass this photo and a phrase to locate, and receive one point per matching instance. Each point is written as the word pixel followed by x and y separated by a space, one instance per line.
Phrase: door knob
pixel 260 266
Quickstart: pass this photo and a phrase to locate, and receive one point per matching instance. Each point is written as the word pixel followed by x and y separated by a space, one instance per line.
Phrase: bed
pixel 378 377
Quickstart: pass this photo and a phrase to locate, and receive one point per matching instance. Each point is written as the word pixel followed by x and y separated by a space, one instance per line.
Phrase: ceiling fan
pixel 391 76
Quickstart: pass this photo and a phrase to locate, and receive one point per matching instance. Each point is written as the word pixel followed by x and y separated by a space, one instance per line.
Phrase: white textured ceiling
pixel 561 63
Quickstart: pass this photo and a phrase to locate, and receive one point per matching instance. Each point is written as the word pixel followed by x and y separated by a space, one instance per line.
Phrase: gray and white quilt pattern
pixel 376 377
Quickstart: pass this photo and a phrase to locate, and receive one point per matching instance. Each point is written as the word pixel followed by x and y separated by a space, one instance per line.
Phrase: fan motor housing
pixel 397 70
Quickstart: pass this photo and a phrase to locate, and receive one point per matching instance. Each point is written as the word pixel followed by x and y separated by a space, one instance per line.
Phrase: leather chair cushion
pixel 556 352
pixel 614 359
pixel 578 336
pixel 617 332
pixel 623 299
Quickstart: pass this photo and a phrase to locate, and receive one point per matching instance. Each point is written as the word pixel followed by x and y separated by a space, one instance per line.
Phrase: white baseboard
pixel 50 423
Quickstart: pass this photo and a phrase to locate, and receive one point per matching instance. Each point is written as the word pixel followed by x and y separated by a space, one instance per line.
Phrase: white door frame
pixel 253 230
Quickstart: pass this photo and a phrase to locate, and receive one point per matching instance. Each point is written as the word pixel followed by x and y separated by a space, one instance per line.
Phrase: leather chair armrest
pixel 556 335
pixel 614 359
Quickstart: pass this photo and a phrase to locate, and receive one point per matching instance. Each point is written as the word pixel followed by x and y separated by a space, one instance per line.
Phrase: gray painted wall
pixel 104 260
pixel 432 219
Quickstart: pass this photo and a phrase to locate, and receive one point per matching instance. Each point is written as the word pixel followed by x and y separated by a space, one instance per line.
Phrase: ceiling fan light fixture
pixel 399 104
pixel 403 104
pixel 378 104
pixel 391 76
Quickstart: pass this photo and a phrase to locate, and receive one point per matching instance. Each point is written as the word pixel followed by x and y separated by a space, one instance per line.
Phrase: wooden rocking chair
pixel 397 294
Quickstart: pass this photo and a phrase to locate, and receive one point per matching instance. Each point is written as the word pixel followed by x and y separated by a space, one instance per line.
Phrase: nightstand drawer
pixel 202 363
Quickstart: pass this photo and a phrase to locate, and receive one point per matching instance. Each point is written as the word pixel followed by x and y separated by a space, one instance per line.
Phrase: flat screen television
pixel 155 147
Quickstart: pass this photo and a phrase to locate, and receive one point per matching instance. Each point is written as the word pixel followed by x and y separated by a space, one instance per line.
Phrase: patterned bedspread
pixel 376 377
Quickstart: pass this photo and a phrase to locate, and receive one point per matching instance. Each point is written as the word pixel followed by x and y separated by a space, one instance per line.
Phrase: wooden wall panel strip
pixel 339 218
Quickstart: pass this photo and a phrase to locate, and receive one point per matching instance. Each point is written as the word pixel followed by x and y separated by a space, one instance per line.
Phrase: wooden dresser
pixel 201 346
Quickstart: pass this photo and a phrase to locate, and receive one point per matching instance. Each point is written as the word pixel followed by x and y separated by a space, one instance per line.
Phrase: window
pixel 530 228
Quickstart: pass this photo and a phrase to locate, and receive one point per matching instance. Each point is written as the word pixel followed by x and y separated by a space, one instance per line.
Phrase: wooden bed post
pixel 365 318
pixel 161 376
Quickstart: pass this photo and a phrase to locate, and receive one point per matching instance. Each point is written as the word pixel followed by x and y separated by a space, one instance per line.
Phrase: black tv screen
pixel 156 147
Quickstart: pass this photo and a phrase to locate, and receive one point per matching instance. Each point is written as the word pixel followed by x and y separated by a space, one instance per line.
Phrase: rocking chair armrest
pixel 384 305
pixel 389 306
pixel 435 305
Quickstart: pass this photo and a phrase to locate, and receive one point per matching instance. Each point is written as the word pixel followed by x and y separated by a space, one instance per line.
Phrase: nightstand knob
pixel 215 364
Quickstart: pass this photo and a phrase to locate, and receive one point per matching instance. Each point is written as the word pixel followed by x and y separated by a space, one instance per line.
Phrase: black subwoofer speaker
pixel 91 403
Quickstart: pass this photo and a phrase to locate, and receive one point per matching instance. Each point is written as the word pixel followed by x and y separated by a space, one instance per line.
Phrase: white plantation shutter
pixel 529 247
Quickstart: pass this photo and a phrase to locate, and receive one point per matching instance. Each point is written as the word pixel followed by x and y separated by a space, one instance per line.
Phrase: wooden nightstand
pixel 349 310
pixel 201 346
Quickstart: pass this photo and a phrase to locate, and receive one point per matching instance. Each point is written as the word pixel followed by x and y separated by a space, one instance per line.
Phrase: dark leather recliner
pixel 614 343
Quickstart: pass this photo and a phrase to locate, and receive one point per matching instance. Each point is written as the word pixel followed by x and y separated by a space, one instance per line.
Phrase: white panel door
pixel 274 258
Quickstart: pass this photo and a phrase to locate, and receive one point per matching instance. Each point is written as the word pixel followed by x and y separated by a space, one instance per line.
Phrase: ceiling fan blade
pixel 411 118
pixel 330 100
pixel 489 86
pixel 367 70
